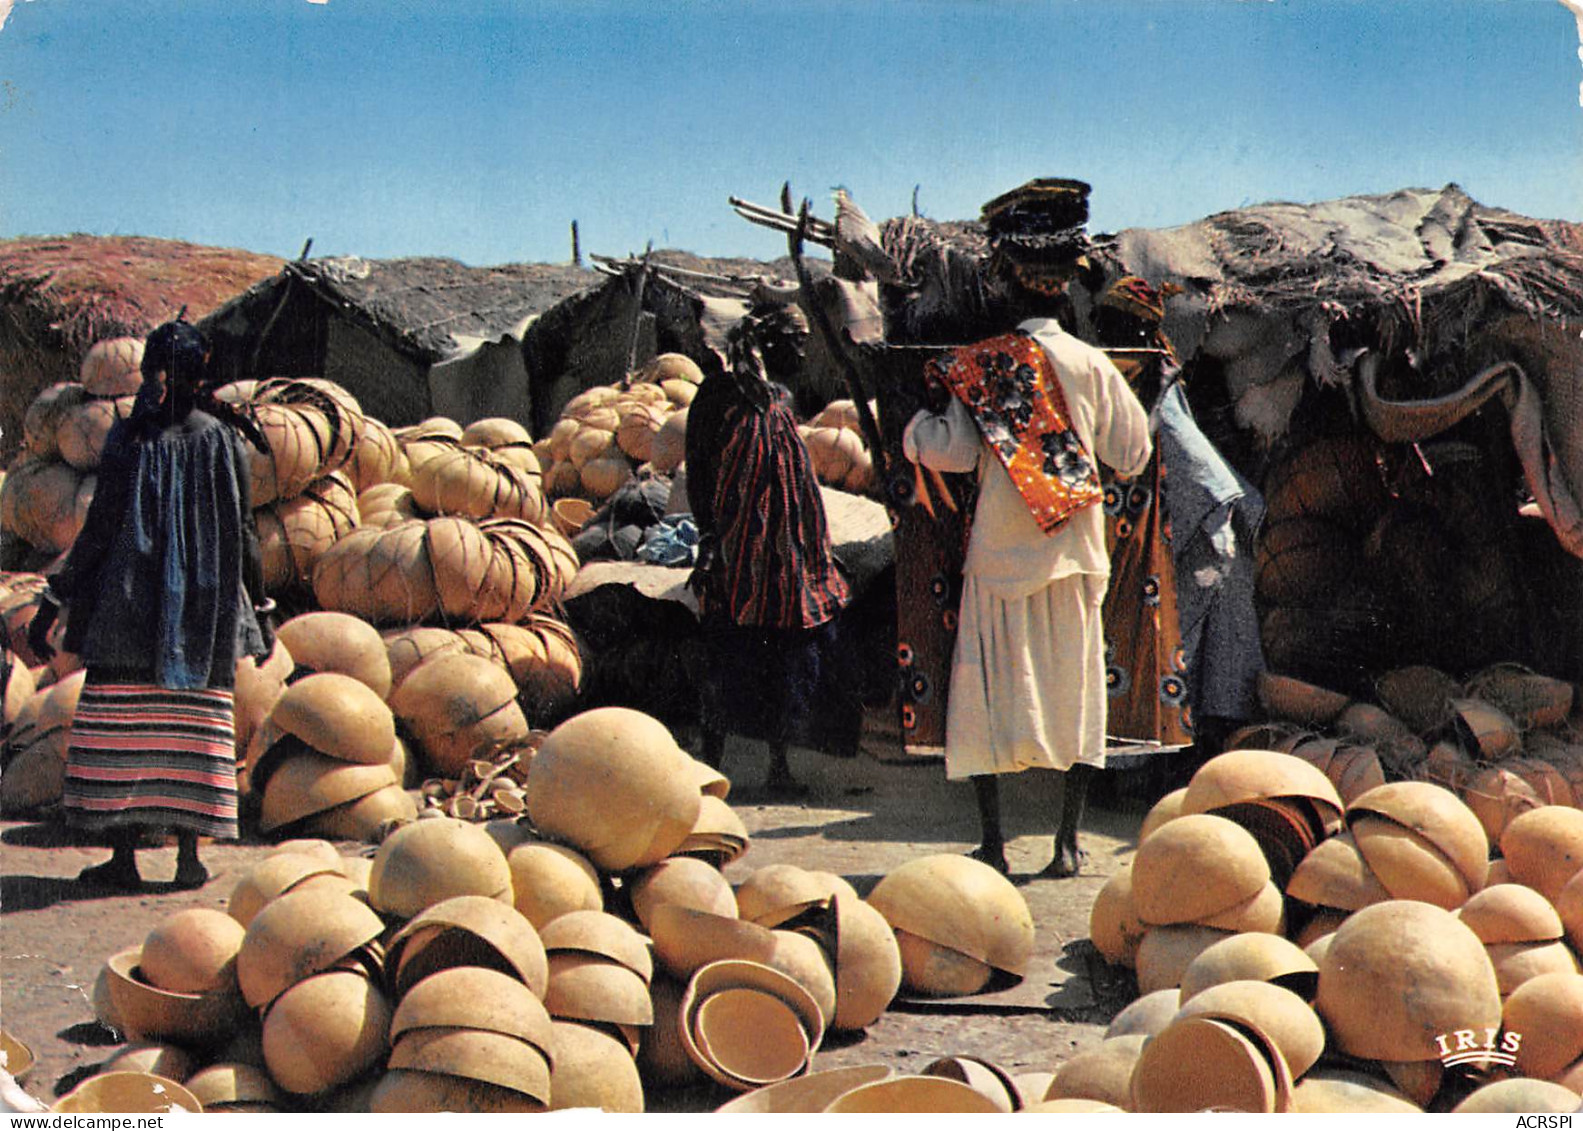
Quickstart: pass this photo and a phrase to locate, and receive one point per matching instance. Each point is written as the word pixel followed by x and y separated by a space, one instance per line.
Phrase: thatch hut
pixel 410 338
pixel 60 294
pixel 669 302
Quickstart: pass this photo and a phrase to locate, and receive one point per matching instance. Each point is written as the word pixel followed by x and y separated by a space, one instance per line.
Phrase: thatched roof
pixel 432 308
pixel 60 294
pixel 1392 250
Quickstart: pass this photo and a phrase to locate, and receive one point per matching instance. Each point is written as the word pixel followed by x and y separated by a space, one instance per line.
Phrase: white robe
pixel 1028 676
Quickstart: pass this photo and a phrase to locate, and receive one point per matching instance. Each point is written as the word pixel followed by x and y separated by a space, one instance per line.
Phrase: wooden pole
pixel 833 343
pixel 637 315
pixel 577 247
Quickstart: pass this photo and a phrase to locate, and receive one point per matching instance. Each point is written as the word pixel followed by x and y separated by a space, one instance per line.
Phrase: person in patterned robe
pixel 1034 413
pixel 769 588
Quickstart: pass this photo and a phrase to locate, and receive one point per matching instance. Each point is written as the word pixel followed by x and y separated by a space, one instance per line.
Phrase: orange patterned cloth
pixel 1015 396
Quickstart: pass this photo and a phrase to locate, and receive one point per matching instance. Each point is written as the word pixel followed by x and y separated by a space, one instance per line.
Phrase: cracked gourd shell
pixel 325 1031
pixel 275 875
pixel 469 930
pixel 1439 817
pixel 429 862
pixel 474 997
pixel 592 1069
pixel 1240 776
pixel 602 935
pixel 192 951
pixel 550 881
pixel 297 935
pixel 718 836
pixel 1543 848
pixel 1254 956
pixel 337 715
pixel 1278 1013
pixel 684 880
pixel 1511 913
pixel 1194 867
pixel 961 904
pixel 1400 973
pixel 867 964
pixel 613 783
pixel 338 642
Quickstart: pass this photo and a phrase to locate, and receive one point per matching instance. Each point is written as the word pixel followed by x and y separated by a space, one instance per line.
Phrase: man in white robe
pixel 1027 685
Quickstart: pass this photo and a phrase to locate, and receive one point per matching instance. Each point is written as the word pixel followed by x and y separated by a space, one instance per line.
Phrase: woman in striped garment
pixel 164 592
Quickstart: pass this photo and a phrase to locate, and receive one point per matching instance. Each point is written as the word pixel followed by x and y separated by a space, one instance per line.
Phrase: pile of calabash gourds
pixel 1297 953
pixel 580 956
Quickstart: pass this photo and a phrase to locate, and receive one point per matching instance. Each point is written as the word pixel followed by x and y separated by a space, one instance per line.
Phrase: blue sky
pixel 482 130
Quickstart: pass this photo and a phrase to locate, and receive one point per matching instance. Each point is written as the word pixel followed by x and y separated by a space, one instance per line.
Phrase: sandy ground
pixel 864 816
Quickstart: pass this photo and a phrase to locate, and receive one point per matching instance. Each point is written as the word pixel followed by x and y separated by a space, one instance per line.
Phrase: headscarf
pixel 180 351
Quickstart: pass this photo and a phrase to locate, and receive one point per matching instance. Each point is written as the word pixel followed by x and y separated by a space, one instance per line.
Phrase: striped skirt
pixel 153 757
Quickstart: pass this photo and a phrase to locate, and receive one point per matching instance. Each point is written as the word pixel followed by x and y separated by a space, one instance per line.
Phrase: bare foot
pixel 1068 862
pixel 190 874
pixel 994 856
